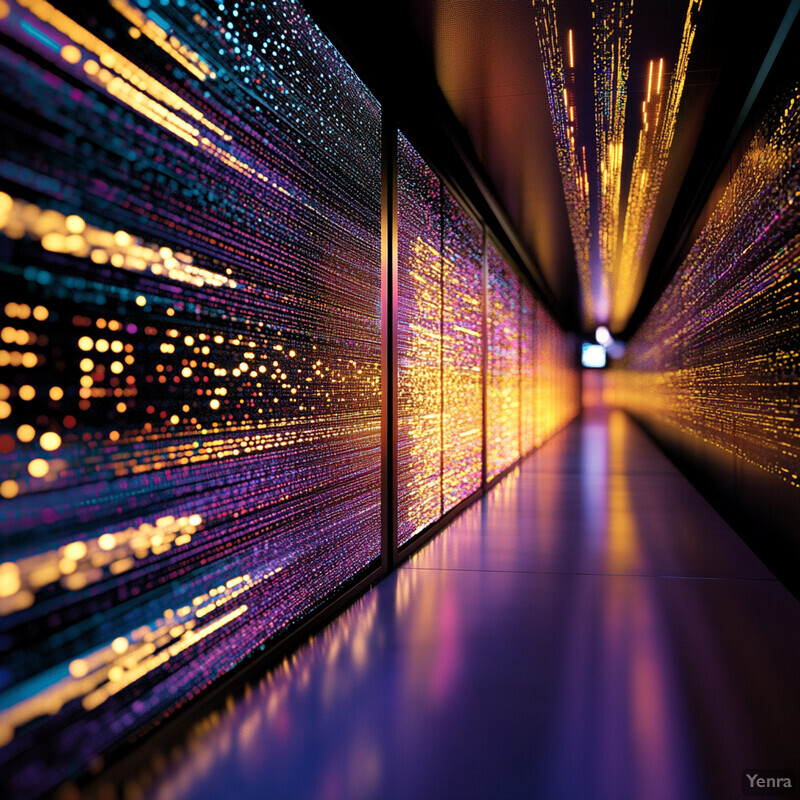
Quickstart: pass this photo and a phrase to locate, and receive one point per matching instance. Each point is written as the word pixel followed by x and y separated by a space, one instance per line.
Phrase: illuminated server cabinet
pixel 226 404
pixel 713 370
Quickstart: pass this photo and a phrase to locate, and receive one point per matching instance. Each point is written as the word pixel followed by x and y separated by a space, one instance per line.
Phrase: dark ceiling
pixel 464 79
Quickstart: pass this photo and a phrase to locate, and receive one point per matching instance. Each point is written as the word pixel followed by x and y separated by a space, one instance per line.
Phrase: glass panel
pixel 190 443
pixel 462 354
pixel 528 372
pixel 502 397
pixel 419 357
pixel 717 359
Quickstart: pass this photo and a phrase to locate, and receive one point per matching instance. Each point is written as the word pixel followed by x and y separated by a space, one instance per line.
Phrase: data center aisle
pixel 591 629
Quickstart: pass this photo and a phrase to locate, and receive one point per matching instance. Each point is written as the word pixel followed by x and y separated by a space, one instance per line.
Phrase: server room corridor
pixel 399 401
pixel 590 629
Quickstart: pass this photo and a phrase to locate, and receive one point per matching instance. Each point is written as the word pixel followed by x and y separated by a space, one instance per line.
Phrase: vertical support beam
pixel 389 343
pixel 485 356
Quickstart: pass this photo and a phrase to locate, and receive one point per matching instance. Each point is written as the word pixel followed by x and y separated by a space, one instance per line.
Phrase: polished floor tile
pixel 612 524
pixel 591 629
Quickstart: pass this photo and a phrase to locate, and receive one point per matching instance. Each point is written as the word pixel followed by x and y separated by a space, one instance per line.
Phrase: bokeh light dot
pixel 26 433
pixel 38 468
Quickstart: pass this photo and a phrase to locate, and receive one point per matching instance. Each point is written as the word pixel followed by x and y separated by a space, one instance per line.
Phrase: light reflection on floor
pixel 591 629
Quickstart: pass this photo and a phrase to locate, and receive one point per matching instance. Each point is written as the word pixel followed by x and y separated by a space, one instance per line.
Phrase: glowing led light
pixel 38 468
pixel 9 489
pixel 50 441
pixel 593 356
pixel 462 389
pixel 137 381
pixel 78 668
pixel 207 308
pixel 611 36
pixel 151 106
pixel 9 579
pixel 169 44
pixel 574 177
pixel 659 117
pixel 75 551
pixel 602 335
pixel 26 433
pixel 121 249
pixel 611 289
pixel 75 224
pixel 420 298
pixel 571 51
pixel 503 369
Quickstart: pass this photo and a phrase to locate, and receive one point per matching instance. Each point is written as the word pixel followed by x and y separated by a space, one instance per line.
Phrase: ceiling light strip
pixel 660 113
pixel 561 95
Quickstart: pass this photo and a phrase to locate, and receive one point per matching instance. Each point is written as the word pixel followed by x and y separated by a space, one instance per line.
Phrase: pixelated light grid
pixel 190 356
pixel 718 357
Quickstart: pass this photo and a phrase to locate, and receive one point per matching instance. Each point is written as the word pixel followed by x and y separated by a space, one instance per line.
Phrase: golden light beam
pixel 187 58
pixel 659 116
pixel 574 178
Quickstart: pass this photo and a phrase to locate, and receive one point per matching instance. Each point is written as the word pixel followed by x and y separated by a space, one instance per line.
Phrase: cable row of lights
pixel 659 115
pixel 611 40
pixel 560 81
pixel 611 289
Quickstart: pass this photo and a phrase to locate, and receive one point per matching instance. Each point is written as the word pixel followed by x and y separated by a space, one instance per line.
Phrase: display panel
pixel 502 365
pixel 190 358
pixel 593 356
pixel 419 337
pixel 544 378
pixel 462 353
pixel 558 379
pixel 527 354
pixel 717 358
pixel 569 379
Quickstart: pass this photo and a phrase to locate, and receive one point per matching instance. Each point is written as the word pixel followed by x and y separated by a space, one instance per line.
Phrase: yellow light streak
pixel 184 56
pixel 119 249
pixel 571 51
pixel 611 36
pixel 99 674
pixel 574 177
pixel 114 61
pixel 80 563
pixel 659 116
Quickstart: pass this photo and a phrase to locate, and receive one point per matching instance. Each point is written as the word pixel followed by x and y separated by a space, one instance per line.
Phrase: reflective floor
pixel 591 629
